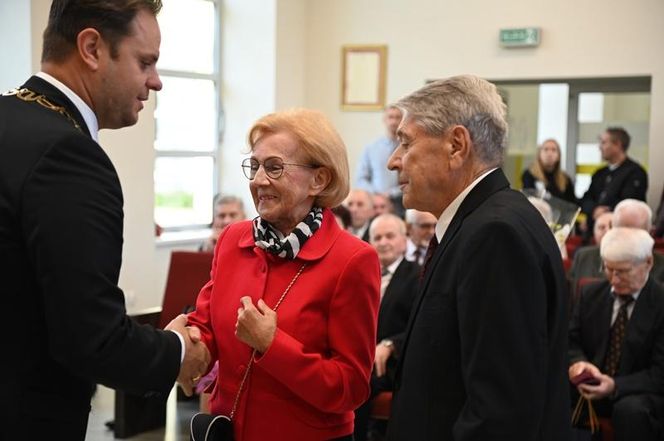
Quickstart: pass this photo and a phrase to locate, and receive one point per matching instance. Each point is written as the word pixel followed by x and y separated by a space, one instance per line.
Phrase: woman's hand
pixel 256 327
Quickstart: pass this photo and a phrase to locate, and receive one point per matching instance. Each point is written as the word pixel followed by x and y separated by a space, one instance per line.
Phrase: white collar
pixel 88 115
pixel 392 267
pixel 448 214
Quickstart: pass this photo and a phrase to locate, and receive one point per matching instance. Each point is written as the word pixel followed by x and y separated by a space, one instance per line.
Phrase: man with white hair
pixel 630 213
pixel 421 228
pixel 616 338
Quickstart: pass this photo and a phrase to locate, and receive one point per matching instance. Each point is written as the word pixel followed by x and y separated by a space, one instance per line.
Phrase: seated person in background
pixel 421 227
pixel 628 213
pixel 587 261
pixel 545 173
pixel 227 210
pixel 361 208
pixel 617 336
pixel 621 179
pixel 398 289
pixel 382 204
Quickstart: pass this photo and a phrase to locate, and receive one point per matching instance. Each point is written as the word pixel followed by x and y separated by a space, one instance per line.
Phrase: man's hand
pixel 606 384
pixel 255 327
pixel 383 353
pixel 196 356
pixel 581 366
pixel 605 388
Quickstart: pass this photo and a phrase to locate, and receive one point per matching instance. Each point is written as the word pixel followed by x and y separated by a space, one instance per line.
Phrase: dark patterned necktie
pixel 427 257
pixel 616 337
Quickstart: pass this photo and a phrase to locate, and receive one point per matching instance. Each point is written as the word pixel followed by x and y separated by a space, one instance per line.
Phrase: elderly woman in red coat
pixel 305 365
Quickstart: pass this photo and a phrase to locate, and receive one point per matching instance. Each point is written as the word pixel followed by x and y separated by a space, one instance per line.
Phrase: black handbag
pixel 205 427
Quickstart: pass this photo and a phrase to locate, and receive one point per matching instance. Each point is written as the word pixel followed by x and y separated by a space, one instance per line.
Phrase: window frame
pixel 215 153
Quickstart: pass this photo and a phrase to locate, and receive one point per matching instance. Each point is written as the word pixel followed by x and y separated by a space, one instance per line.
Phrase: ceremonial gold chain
pixel 29 96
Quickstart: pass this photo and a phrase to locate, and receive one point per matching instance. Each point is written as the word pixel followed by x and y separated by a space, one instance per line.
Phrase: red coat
pixel 316 372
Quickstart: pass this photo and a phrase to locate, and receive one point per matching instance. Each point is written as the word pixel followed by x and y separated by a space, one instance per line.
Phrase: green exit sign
pixel 520 37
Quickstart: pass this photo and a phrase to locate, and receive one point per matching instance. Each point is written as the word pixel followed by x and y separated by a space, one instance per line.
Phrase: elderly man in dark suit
pixel 61 227
pixel 617 336
pixel 399 283
pixel 587 262
pixel 484 356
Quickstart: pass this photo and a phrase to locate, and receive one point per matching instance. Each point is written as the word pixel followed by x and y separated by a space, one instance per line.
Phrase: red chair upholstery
pixel 659 245
pixel 567 264
pixel 380 406
pixel 571 244
pixel 187 273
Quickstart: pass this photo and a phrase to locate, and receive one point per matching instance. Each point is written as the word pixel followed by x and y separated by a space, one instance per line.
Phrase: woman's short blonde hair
pixel 320 143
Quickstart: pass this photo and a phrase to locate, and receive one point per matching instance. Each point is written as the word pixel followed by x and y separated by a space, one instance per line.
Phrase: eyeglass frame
pixel 248 162
pixel 622 272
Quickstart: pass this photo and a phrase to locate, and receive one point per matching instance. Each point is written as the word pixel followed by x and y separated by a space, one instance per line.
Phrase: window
pixel 187 114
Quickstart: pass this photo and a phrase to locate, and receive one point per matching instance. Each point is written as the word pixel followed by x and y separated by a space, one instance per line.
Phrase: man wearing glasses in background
pixel 616 338
pixel 421 227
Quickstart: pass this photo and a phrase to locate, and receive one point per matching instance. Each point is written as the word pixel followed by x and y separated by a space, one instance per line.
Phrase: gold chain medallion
pixel 30 96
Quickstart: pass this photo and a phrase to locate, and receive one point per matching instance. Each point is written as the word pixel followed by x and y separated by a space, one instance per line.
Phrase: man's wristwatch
pixel 387 343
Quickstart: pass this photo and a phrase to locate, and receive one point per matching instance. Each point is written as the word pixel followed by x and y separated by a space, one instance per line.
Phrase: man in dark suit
pixel 621 179
pixel 398 287
pixel 61 227
pixel 484 356
pixel 630 213
pixel 617 335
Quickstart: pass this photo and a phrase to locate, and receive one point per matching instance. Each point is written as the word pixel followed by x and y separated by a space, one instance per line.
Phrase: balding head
pixel 388 237
pixel 632 213
pixel 360 205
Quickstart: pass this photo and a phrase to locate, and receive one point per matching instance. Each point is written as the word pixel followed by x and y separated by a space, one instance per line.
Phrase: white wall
pixel 249 82
pixel 430 39
pixel 15 46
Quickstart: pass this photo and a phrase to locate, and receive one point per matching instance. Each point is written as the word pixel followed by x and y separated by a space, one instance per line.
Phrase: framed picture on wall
pixel 363 77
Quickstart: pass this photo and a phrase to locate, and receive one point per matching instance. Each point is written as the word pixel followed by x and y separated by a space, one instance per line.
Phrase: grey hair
pixel 228 199
pixel 465 100
pixel 621 244
pixel 632 213
pixel 388 217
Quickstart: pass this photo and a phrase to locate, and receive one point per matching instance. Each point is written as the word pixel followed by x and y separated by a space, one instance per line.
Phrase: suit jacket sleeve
pixel 338 382
pixel 646 381
pixel 503 328
pixel 72 222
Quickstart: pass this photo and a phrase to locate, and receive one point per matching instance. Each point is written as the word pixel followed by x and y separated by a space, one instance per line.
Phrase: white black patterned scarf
pixel 269 239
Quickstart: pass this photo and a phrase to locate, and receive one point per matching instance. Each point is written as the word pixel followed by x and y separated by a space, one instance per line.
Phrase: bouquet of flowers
pixel 559 214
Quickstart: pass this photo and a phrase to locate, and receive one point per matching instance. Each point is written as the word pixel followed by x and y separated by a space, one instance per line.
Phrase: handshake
pixel 196 356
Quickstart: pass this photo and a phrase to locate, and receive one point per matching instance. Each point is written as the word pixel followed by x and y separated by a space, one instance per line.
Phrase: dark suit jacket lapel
pixel 54 94
pixel 603 329
pixel 492 183
pixel 393 286
pixel 639 326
